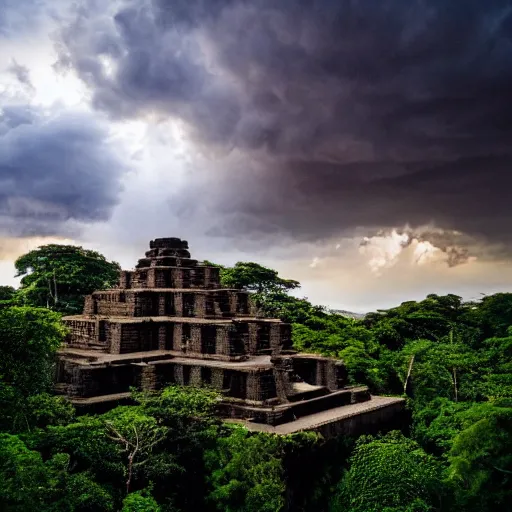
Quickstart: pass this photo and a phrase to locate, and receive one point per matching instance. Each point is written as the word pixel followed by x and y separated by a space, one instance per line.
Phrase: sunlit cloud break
pixel 419 246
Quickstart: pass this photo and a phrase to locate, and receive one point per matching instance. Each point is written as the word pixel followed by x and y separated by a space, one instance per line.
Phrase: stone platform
pixel 347 419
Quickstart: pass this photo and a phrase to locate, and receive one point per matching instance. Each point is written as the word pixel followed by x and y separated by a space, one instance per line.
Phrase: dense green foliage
pixel 60 276
pixel 29 338
pixel 7 293
pixel 390 472
pixel 170 452
pixel 254 277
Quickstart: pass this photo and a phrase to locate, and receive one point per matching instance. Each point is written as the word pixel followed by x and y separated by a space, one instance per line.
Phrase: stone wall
pixel 83 331
pixel 198 304
pixel 139 337
pixel 194 277
pixel 253 385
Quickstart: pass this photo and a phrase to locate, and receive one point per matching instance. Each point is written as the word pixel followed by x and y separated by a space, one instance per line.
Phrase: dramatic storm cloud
pixel 361 147
pixel 55 170
pixel 355 114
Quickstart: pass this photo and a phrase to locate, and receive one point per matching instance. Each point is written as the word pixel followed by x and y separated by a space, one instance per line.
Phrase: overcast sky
pixel 362 148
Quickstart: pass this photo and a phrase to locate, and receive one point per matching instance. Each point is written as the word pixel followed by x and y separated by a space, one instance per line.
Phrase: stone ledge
pixel 316 421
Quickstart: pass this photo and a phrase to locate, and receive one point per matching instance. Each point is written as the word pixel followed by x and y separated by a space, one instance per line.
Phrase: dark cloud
pixel 55 170
pixel 373 113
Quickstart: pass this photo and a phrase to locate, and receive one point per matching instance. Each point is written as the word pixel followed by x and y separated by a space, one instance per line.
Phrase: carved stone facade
pixel 169 321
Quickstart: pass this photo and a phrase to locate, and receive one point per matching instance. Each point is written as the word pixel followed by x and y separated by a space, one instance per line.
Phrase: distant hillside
pixel 348 314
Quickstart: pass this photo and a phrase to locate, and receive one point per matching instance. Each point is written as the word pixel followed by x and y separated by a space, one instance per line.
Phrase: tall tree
pixel 481 457
pixel 60 276
pixel 29 338
pixel 389 473
pixel 247 472
pixel 495 313
pixel 136 435
pixel 254 277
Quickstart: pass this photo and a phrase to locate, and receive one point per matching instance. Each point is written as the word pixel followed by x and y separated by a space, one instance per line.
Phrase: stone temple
pixel 170 322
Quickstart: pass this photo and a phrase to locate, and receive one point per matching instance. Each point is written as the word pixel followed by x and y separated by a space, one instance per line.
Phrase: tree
pixel 60 276
pixel 160 442
pixel 246 472
pixel 496 365
pixel 193 427
pixel 495 312
pixel 29 338
pixel 291 309
pixel 254 277
pixel 25 478
pixel 140 501
pixel 481 457
pixel 437 423
pixel 136 435
pixel 391 471
pixel 82 494
pixel 29 483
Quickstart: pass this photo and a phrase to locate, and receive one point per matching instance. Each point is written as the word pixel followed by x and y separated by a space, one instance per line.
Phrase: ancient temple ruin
pixel 170 322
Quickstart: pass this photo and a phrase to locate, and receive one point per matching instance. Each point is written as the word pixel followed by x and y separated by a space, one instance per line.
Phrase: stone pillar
pixel 195 339
pixel 186 277
pixel 147 377
pixel 151 279
pixel 331 380
pixel 130 303
pixel 116 332
pixel 200 305
pixel 161 304
pixel 176 278
pixel 177 338
pixel 254 386
pixel 195 376
pixel 222 341
pixel 178 304
pixel 233 301
pixel 253 338
pixel 178 374
pixel 217 378
pixel 207 278
pixel 162 336
pixel 275 338
pixel 283 367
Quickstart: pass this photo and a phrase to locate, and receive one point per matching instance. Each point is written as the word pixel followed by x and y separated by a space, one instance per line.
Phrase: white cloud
pixel 383 251
pixel 315 262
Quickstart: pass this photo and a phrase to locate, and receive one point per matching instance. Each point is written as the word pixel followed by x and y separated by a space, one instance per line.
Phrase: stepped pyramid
pixel 170 322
